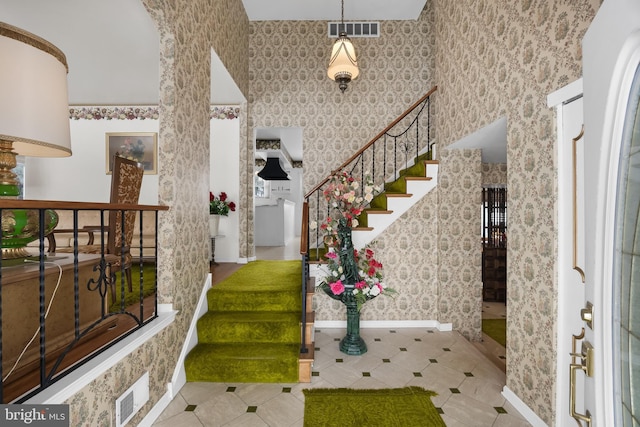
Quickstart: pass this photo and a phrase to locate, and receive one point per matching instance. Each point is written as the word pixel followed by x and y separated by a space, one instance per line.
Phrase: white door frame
pixel 567 103
pixel 611 49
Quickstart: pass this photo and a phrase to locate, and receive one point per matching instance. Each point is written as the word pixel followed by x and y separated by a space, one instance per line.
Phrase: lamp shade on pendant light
pixel 272 171
pixel 343 65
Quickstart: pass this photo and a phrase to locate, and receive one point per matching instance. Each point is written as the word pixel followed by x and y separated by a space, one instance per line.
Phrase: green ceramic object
pixel 21 227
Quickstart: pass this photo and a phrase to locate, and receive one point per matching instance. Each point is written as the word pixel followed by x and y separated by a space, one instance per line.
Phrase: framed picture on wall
pixel 139 146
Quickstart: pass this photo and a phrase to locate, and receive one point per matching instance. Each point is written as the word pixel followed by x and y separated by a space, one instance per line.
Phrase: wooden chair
pixel 126 180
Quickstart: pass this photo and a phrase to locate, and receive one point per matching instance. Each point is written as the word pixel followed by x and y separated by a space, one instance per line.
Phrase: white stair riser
pixel 399 205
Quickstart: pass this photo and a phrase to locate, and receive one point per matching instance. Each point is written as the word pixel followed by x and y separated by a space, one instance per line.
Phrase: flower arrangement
pixel 219 205
pixel 342 197
pixel 368 284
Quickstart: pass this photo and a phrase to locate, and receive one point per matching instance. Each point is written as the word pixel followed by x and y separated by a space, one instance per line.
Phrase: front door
pixel 607 357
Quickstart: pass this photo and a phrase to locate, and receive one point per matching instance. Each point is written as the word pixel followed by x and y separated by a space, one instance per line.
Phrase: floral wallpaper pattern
pixel 494 174
pixel 489 58
pixel 114 113
pixel 396 70
pixel 188 29
pixel 500 58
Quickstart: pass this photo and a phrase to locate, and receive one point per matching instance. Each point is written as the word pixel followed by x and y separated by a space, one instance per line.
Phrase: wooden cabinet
pixel 494 274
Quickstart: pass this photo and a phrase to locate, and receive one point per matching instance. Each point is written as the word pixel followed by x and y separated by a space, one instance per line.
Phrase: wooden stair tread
pixel 398 194
pixel 378 211
pixel 361 229
pixel 309 354
pixel 418 178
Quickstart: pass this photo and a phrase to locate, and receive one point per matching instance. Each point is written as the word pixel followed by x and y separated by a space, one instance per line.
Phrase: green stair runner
pixel 399 186
pixel 251 332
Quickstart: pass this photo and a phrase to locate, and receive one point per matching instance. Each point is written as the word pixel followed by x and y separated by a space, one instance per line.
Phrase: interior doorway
pixel 494 273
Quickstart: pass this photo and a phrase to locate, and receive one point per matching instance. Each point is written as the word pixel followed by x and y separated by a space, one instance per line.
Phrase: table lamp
pixel 34 121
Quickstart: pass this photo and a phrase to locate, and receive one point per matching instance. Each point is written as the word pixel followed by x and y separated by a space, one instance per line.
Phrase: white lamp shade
pixel 34 102
pixel 343 60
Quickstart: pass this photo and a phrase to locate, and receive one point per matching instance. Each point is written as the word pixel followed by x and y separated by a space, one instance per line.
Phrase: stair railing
pixel 382 158
pixel 393 149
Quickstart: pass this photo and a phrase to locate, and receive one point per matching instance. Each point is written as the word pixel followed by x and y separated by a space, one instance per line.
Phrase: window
pixel 260 188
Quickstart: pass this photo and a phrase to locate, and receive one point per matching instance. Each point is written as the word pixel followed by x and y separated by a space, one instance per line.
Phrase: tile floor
pixel 468 384
pixel 468 378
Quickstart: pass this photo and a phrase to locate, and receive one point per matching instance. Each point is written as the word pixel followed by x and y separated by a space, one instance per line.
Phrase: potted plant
pixel 352 276
pixel 218 206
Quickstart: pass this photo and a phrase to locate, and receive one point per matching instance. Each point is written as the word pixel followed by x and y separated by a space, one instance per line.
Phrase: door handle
pixel 586 366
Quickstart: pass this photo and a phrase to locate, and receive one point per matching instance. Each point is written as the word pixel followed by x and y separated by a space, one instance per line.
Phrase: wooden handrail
pixel 304 234
pixel 53 204
pixel 370 143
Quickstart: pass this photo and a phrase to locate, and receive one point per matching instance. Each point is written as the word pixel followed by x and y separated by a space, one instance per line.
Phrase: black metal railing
pixel 76 295
pixel 382 159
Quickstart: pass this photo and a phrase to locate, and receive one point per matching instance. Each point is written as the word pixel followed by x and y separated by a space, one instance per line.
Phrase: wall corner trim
pixel 521 407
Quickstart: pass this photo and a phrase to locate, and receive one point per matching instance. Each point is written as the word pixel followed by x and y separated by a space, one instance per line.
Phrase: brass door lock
pixel 586 365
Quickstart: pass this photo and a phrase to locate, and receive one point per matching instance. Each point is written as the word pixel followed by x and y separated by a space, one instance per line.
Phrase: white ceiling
pixel 330 10
pixel 491 139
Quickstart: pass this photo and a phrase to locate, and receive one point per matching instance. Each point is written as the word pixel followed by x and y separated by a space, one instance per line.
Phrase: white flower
pixel 368 197
pixel 354 222
pixel 355 185
pixel 340 270
pixel 374 291
pixel 313 225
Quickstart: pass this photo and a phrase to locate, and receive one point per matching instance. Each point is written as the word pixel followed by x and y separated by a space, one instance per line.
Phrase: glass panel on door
pixel 626 277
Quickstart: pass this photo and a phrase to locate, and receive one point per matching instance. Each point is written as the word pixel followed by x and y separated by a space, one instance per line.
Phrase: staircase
pixel 251 332
pixel 391 153
pixel 399 196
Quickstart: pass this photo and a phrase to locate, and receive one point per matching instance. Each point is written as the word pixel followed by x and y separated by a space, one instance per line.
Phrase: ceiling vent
pixel 355 29
pixel 272 171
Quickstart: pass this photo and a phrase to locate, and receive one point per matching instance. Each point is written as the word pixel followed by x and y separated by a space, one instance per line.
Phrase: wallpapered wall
pixel 489 58
pixel 496 58
pixel 494 173
pixel 188 29
pixel 289 87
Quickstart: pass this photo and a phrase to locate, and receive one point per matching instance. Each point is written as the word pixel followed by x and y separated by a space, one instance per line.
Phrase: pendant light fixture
pixel 343 66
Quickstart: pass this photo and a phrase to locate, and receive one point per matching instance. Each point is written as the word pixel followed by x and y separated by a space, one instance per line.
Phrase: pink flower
pixel 331 255
pixel 337 287
pixel 361 284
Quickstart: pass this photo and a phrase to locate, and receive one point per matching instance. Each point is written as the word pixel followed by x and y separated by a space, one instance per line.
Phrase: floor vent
pixel 355 29
pixel 132 400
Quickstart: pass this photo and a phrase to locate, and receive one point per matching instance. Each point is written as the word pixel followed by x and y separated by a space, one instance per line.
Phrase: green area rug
pixel 251 332
pixel 496 329
pixel 394 407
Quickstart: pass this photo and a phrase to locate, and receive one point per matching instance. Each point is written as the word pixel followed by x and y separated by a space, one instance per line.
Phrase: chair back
pixel 126 181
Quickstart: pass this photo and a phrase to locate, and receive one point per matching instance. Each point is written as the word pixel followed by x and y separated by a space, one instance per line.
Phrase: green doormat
pixel 496 329
pixel 391 407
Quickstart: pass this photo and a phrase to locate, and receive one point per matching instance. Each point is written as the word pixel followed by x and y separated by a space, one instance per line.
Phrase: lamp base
pixel 15 253
pixel 21 227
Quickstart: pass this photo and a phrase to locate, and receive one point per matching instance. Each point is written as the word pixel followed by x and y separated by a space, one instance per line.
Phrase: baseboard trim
pixel 179 378
pixel 156 411
pixel 379 324
pixel 521 407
